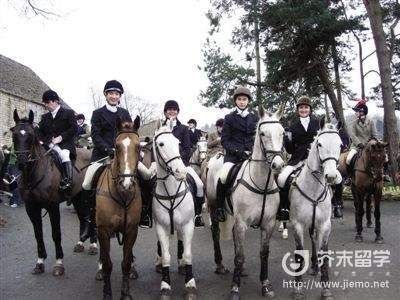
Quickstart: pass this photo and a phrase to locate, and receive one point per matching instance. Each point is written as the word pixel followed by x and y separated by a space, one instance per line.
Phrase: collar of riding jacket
pixel 111 108
pixel 243 113
pixel 305 121
pixel 54 112
pixel 175 122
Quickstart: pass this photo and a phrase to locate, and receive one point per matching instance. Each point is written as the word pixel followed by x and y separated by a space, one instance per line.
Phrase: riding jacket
pixel 63 124
pixel 181 132
pixel 195 135
pixel 362 132
pixel 298 141
pixel 238 135
pixel 104 130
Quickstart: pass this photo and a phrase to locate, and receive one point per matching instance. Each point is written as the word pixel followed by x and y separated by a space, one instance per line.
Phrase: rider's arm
pixel 185 146
pixel 226 137
pixel 97 138
pixel 353 134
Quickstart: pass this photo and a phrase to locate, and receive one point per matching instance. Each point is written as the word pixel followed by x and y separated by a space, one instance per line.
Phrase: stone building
pixel 22 89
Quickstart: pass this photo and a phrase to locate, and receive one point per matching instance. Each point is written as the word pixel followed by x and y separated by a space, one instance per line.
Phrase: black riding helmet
pixel 113 85
pixel 171 104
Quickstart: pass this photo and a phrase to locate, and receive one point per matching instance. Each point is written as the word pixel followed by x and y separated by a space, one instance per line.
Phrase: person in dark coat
pixel 181 132
pixel 237 139
pixel 57 130
pixel 83 132
pixel 194 133
pixel 297 142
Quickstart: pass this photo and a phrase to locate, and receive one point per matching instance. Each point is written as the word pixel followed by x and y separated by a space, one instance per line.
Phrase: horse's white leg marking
pixel 187 232
pixel 40 260
pixel 100 266
pixel 127 180
pixel 59 261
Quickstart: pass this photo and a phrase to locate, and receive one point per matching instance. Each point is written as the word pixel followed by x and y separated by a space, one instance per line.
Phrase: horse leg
pixel 359 212
pixel 54 214
pixel 299 259
pixel 84 221
pixel 215 232
pixel 158 258
pixel 314 258
pixel 34 214
pixel 239 230
pixel 163 238
pixel 190 284
pixel 368 211
pixel 377 215
pixel 129 241
pixel 266 286
pixel 323 239
pixel 106 264
pixel 180 247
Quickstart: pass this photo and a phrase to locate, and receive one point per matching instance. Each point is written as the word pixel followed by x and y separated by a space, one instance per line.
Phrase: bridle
pixel 322 161
pixel 268 154
pixel 165 162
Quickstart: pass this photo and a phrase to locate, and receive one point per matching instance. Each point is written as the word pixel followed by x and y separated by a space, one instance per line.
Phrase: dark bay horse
pixel 40 186
pixel 367 181
pixel 119 204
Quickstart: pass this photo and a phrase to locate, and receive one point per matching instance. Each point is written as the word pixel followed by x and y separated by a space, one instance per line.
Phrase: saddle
pixel 230 184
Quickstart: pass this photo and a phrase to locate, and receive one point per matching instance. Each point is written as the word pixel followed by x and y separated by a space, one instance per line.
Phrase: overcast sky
pixel 152 47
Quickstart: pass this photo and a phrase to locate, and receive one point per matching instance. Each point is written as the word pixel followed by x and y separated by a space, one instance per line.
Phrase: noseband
pixel 268 154
pixel 167 168
pixel 322 161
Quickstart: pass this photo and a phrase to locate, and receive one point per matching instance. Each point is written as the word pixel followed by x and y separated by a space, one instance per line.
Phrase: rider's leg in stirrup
pixel 220 214
pixel 147 181
pixel 198 198
pixel 284 185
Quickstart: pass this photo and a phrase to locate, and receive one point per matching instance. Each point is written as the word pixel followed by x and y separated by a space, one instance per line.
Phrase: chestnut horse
pixel 367 181
pixel 40 186
pixel 119 204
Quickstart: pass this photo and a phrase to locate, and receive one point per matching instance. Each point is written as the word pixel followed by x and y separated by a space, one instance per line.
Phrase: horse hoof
pixel 267 290
pixel 358 238
pixel 79 248
pixel 326 294
pixel 379 240
pixel 38 269
pixel 93 250
pixel 133 274
pixel 181 270
pixel 234 296
pixel 221 270
pixel 190 293
pixel 158 268
pixel 285 234
pixel 165 294
pixel 313 272
pixel 58 270
pixel 99 275
pixel 369 225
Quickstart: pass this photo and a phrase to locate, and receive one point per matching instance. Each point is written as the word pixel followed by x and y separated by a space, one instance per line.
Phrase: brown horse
pixel 367 181
pixel 40 186
pixel 119 204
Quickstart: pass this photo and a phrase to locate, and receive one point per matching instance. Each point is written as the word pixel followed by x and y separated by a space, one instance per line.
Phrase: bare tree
pixel 374 11
pixel 97 98
pixel 146 110
pixel 41 8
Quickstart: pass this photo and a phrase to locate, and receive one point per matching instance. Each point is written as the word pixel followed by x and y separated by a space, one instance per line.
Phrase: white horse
pixel 255 198
pixel 199 155
pixel 310 197
pixel 173 207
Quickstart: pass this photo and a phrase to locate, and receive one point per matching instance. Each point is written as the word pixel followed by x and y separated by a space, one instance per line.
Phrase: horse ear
pixel 322 122
pixel 261 111
pixel 31 116
pixel 16 117
pixel 119 123
pixel 136 123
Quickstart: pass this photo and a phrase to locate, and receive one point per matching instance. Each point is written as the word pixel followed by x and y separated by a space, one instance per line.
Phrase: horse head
pixel 166 152
pixel 270 137
pixel 375 157
pixel 124 167
pixel 24 138
pixel 202 149
pixel 326 146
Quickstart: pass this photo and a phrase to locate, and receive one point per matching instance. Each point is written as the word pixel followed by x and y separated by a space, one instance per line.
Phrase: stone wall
pixel 7 105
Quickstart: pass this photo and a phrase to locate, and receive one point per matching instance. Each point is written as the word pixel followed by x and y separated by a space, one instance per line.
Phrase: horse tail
pixel 226 228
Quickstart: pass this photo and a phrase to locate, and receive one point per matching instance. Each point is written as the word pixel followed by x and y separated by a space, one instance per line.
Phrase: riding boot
pixel 220 214
pixel 284 203
pixel 338 202
pixel 146 187
pixel 66 181
pixel 198 205
pixel 386 177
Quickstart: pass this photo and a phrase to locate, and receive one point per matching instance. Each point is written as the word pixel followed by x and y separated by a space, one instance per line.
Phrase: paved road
pixel 18 253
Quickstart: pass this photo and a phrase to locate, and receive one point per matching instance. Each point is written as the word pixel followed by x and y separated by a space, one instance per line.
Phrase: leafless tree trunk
pixel 374 11
pixel 146 110
pixel 97 100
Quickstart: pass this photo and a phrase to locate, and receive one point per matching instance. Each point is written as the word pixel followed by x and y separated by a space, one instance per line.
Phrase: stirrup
pixel 146 222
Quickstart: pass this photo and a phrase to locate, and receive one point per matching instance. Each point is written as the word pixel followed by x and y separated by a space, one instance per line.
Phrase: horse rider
pixel 82 139
pixel 104 132
pixel 194 133
pixel 57 130
pixel 237 138
pixel 182 133
pixel 214 145
pixel 297 141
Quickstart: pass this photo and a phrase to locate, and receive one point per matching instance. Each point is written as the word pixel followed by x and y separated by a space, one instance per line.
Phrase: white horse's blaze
pixel 127 180
pixel 22 132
